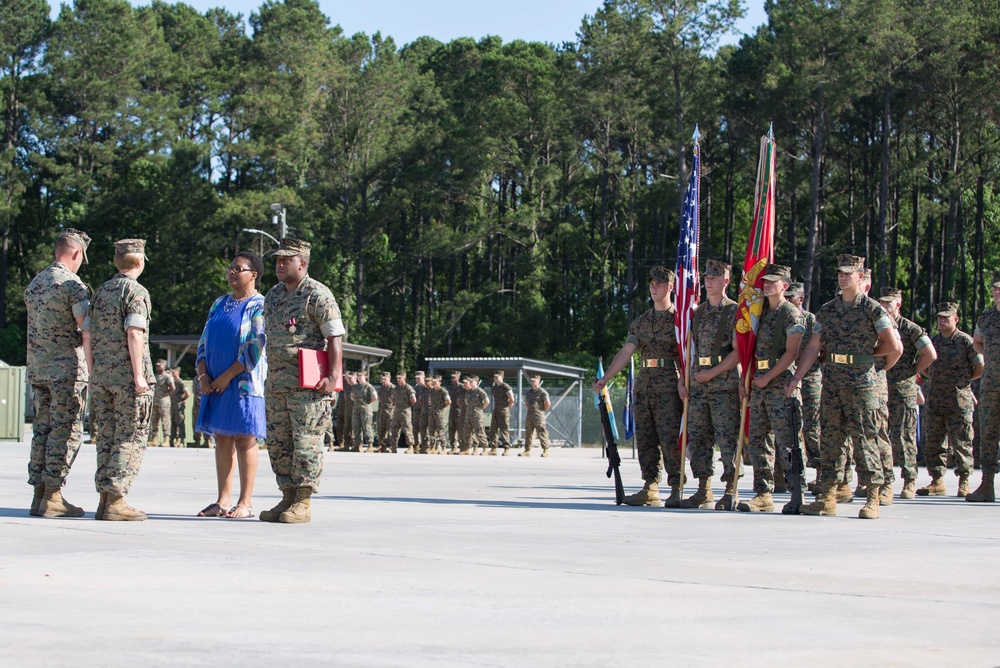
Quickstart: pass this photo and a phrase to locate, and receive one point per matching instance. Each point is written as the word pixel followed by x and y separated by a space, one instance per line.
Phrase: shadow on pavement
pixel 561 505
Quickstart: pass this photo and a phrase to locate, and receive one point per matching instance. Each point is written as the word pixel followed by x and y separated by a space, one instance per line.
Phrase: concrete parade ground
pixel 426 560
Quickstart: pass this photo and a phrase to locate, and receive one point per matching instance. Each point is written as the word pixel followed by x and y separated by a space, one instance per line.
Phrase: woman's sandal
pixel 213 510
pixel 237 512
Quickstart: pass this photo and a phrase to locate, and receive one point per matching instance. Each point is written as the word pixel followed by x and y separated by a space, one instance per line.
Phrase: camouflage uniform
pixel 57 371
pixel 402 418
pixel 297 417
pixel 534 420
pixel 988 329
pixel 437 417
pixel 850 333
pixel 384 415
pixel 657 406
pixel 362 396
pixel 420 417
pixel 811 389
pixel 162 391
pixel 949 404
pixel 902 381
pixel 713 407
pixel 500 422
pixel 768 410
pixel 178 404
pixel 121 415
pixel 476 400
pixel 456 416
pixel 195 410
pixel 346 399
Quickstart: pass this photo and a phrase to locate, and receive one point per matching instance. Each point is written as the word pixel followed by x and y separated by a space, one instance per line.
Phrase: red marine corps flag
pixel 760 251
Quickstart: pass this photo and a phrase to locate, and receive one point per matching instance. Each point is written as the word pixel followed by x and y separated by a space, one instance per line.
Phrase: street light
pixel 262 232
pixel 279 219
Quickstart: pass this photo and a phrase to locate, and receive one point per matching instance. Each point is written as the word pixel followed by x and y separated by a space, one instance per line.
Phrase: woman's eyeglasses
pixel 238 270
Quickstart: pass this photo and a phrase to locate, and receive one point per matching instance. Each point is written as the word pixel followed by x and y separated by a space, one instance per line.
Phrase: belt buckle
pixel 840 359
pixel 705 361
pixel 652 363
pixel 763 365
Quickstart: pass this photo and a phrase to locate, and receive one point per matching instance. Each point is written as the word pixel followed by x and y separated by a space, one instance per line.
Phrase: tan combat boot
pixel 674 500
pixel 963 485
pixel 985 492
pixel 370 448
pixel 526 453
pixel 649 495
pixel 726 502
pixel 492 452
pixel 870 511
pixel 54 505
pixel 936 488
pixel 298 512
pixel 909 490
pixel 703 498
pixel 272 515
pixel 36 500
pixel 506 451
pixel 825 504
pixel 101 505
pixel 761 503
pixel 545 452
pixel 116 510
pixel 409 450
pixel 885 495
pixel 844 495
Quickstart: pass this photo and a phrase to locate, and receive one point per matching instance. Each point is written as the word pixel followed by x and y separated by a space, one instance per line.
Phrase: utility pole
pixel 279 219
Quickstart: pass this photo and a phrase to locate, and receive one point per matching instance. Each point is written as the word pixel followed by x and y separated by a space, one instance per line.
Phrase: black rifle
pixel 794 412
pixel 611 449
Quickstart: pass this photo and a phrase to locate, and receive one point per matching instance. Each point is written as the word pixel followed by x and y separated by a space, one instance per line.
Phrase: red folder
pixel 312 368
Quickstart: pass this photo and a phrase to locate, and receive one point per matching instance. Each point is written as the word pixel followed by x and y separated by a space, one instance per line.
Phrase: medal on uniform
pixel 291 325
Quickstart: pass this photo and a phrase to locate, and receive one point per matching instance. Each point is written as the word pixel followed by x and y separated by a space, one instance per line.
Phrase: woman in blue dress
pixel 232 367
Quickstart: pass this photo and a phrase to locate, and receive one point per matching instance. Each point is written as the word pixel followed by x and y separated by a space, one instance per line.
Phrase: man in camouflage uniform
pixel 713 405
pixel 918 354
pixel 779 334
pixel 195 411
pixel 854 329
pixel 455 415
pixel 812 385
pixel 299 312
pixel 59 361
pixel 121 399
pixel 476 401
pixel 657 406
pixel 162 391
pixel 384 415
pixel 986 340
pixel 363 395
pixel 949 403
pixel 346 398
pixel 503 399
pixel 178 399
pixel 438 403
pixel 537 403
pixel 420 413
pixel 403 398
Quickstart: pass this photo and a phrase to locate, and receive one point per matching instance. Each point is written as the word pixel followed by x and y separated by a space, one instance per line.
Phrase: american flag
pixel 687 285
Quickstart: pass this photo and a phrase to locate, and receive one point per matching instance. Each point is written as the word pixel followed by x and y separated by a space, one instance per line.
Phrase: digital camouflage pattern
pixel 178 406
pixel 534 417
pixel 767 332
pixel 296 424
pixel 55 298
pixel 402 420
pixel 811 389
pixel 346 399
pixel 162 391
pixel 657 407
pixel 384 415
pixel 988 329
pixel 195 411
pixel 438 399
pixel 122 419
pixel 362 396
pixel 57 431
pixel 420 415
pixel 500 422
pixel 119 299
pixel 456 415
pixel 476 400
pixel 850 399
pixel 949 405
pixel 704 337
pixel 902 389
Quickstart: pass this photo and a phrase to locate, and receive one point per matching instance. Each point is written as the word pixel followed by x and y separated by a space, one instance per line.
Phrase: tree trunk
pixel 883 192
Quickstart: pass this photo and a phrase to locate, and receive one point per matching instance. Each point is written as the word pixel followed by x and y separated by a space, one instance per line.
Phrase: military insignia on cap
pixel 289 247
pixel 78 237
pixel 850 263
pixel 891 294
pixel 996 279
pixel 716 268
pixel 795 289
pixel 661 274
pixel 777 272
pixel 947 308
pixel 386 374
pixel 128 246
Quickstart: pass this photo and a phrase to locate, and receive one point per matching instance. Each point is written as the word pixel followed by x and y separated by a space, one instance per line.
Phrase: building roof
pixel 368 355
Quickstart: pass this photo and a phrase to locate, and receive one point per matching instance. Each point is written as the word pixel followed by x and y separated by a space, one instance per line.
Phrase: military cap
pixel 419 374
pixel 474 378
pixel 535 375
pixel 161 362
pixel 947 308
pixel 996 279
pixel 289 247
pixel 456 374
pixel 795 289
pixel 498 373
pixel 866 272
pixel 127 246
pixel 78 237
pixel 891 294
pixel 661 274
pixel 386 374
pixel 777 272
pixel 849 264
pixel 400 374
pixel 717 268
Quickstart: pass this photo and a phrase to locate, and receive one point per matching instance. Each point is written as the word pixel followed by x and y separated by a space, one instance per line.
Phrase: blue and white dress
pixel 235 331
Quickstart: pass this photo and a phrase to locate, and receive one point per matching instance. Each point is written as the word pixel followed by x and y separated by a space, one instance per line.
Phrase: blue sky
pixel 554 21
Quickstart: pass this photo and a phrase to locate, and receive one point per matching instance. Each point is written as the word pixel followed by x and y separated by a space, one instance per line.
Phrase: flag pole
pixel 687 343
pixel 738 461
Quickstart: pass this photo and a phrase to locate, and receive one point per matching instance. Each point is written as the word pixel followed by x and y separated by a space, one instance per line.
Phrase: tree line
pixel 491 198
